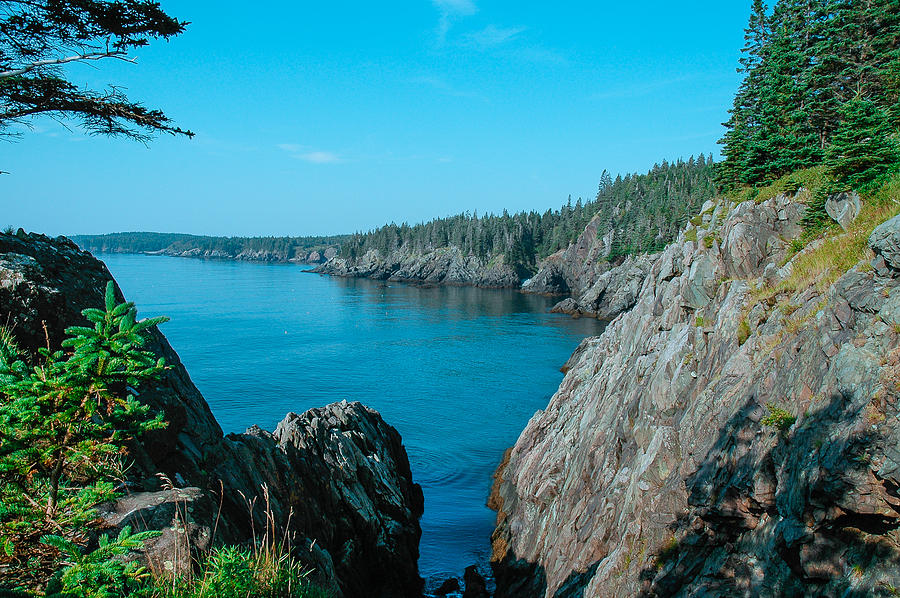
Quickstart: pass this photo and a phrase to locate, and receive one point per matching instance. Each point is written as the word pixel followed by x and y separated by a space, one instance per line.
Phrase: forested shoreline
pixel 277 249
pixel 642 212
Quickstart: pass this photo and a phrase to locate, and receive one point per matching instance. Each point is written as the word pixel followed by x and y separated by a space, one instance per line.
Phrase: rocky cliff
pixel 441 266
pixel 735 433
pixel 597 287
pixel 250 255
pixel 338 477
pixel 574 269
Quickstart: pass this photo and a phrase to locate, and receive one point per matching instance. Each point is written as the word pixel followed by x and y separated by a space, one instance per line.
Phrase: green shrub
pixel 64 422
pixel 812 179
pixel 697 220
pixel 778 418
pixel 742 194
pixel 690 235
pixel 101 573
pixel 708 240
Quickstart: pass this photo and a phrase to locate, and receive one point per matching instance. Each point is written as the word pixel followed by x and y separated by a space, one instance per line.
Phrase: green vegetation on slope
pixel 65 422
pixel 821 86
pixel 281 248
pixel 642 211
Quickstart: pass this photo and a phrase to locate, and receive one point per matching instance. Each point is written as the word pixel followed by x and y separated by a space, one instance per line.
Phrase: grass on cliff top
pixel 812 179
pixel 839 250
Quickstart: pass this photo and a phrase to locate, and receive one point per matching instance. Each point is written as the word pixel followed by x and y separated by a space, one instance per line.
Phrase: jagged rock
pixel 576 268
pixel 338 474
pixel 843 207
pixel 614 292
pixel 442 266
pixel 650 471
pixel 885 242
pixel 567 306
pixel 475 584
pixel 549 280
pixel 341 472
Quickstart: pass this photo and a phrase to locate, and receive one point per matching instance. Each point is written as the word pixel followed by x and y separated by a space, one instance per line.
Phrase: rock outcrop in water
pixel 441 266
pixel 667 464
pixel 250 255
pixel 338 474
pixel 574 269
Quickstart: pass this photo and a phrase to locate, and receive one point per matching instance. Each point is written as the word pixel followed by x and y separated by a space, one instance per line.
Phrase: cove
pixel 457 370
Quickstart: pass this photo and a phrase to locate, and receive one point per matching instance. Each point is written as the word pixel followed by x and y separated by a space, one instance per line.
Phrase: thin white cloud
pixel 443 86
pixel 450 11
pixel 492 36
pixel 308 154
pixel 319 157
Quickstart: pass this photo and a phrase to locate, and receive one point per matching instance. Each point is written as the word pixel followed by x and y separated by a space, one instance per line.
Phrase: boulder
pixel 885 242
pixel 475 584
pixel 448 587
pixel 184 516
pixel 843 207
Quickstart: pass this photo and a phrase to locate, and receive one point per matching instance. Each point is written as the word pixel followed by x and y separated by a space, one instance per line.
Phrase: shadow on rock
pixel 802 511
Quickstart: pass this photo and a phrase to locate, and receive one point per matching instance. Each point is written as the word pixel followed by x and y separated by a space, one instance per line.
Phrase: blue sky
pixel 321 118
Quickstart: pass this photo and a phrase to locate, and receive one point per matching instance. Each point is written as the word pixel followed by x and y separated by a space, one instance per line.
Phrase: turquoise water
pixel 458 371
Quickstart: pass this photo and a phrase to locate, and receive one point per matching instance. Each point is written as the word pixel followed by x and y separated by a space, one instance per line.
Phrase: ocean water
pixel 458 371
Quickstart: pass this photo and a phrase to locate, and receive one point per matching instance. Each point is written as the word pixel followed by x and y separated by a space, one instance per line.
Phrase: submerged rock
pixel 338 477
pixel 448 587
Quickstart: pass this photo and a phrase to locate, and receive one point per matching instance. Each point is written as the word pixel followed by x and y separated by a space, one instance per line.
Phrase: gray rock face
pixel 575 269
pixel 339 475
pixel 843 207
pixel 651 472
pixel 343 472
pixel 885 242
pixel 441 266
pixel 614 291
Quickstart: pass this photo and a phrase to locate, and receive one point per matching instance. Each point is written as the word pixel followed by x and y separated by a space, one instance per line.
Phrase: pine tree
pixel 745 110
pixel 865 146
pixel 783 141
pixel 64 423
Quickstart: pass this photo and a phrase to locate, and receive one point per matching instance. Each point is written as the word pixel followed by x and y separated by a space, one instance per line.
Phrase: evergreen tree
pixel 745 110
pixel 64 423
pixel 803 64
pixel 40 37
pixel 864 147
pixel 783 141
